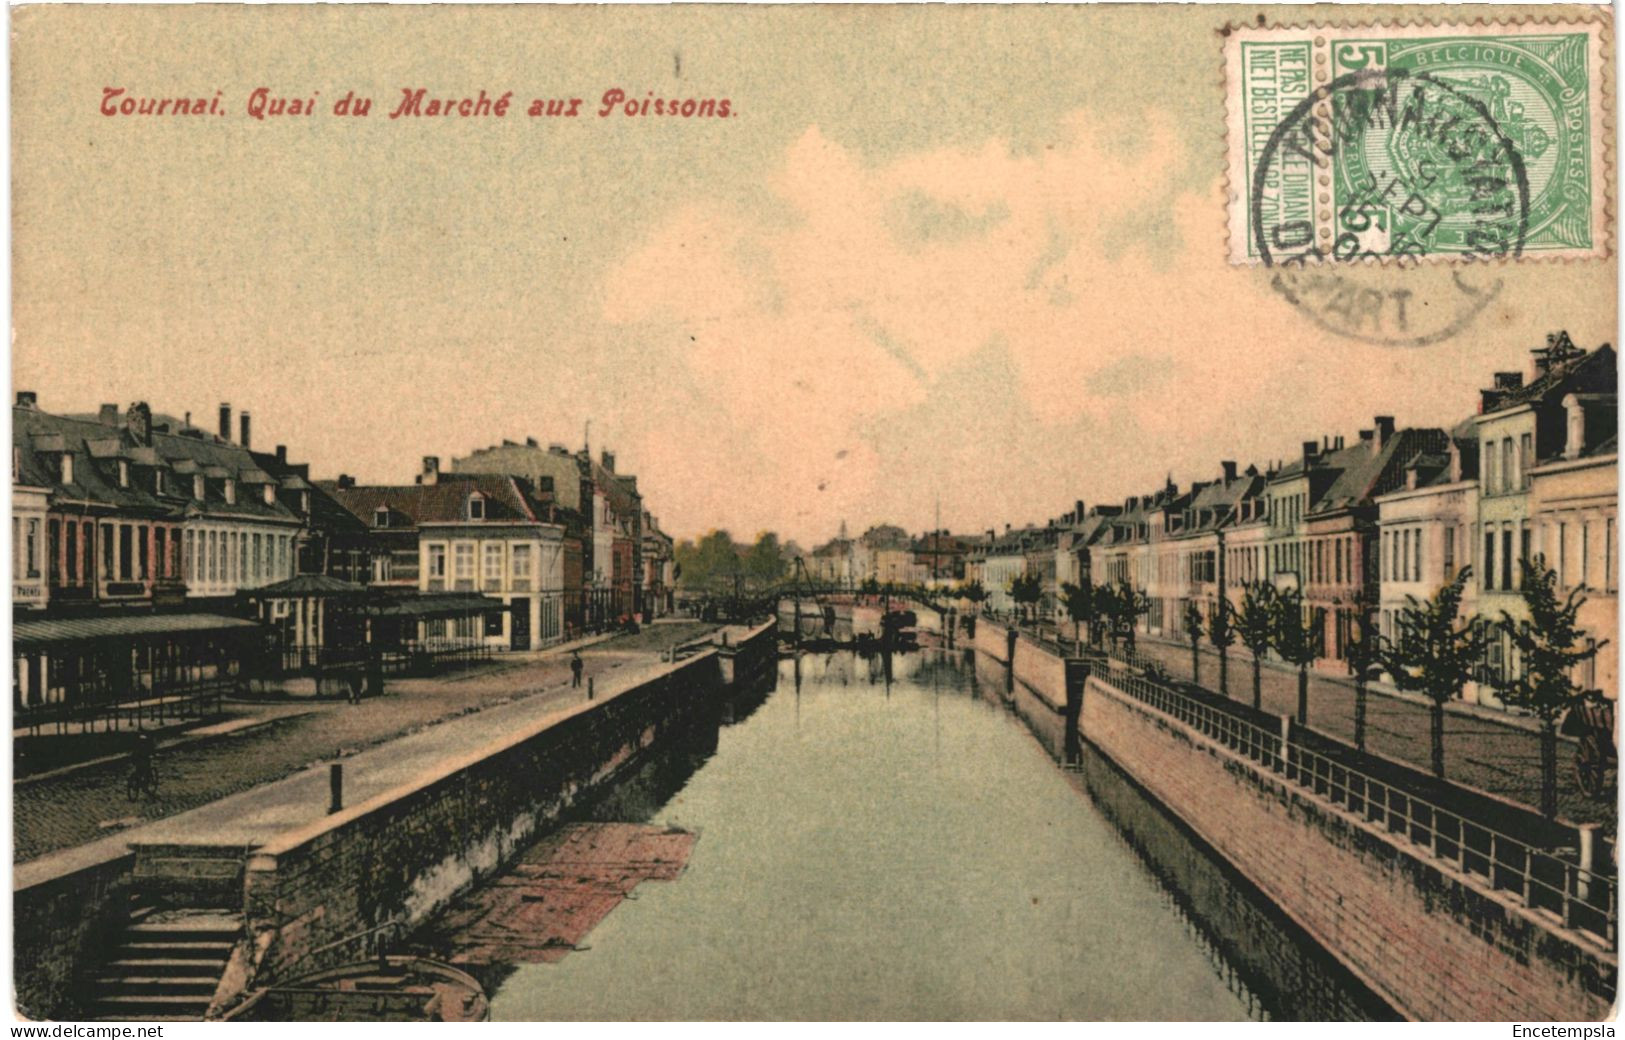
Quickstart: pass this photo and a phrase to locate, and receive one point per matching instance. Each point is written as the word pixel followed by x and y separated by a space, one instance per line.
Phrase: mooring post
pixel 335 785
pixel 589 687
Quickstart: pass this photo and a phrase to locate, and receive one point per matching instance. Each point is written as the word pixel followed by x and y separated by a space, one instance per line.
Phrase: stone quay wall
pixel 1426 939
pixel 1435 945
pixel 61 924
pixel 322 894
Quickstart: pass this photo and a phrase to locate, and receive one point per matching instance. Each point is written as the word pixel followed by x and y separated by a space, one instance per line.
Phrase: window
pixel 1506 556
pixel 1585 553
pixel 1608 555
pixel 197 487
pixel 1449 553
pixel 1523 540
pixel 1489 467
pixel 231 491
pixel 493 563
pixel 493 623
pixel 123 473
pixel 158 481
pixel 257 558
pixel 437 561
pixel 1489 559
pixel 476 507
pixel 544 485
pixel 1508 474
pixel 1562 556
pixel 380 568
pixel 33 549
pixel 381 517
pixel 463 561
pixel 1526 458
pixel 71 548
pixel 521 561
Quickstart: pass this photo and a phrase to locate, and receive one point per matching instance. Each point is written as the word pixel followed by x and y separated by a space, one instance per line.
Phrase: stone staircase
pixel 166 966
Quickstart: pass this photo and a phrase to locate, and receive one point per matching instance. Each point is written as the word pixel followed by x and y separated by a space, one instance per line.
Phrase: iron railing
pixel 1550 881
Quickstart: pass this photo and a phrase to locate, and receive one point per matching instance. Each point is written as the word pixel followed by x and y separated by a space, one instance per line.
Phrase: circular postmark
pixel 1372 172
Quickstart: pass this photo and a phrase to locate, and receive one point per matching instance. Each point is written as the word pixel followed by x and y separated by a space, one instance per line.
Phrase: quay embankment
pixel 421 819
pixel 1447 903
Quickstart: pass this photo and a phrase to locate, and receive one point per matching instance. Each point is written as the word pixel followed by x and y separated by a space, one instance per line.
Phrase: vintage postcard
pixel 769 513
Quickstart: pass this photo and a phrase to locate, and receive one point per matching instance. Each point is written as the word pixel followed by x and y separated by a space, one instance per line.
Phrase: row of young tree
pixel 1434 651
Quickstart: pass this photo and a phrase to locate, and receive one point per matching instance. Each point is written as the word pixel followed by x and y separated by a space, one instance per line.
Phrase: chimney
pixel 1508 380
pixel 27 399
pixel 1575 435
pixel 530 442
pixel 1337 442
pixel 1229 471
pixel 1384 434
pixel 225 421
pixel 431 470
pixel 1077 510
pixel 242 424
pixel 607 458
pixel 345 482
pixel 188 420
pixel 282 454
pixel 1309 454
pixel 1455 462
pixel 109 415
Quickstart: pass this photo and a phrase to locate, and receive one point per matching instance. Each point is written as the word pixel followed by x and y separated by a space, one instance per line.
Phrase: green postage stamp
pixel 1461 142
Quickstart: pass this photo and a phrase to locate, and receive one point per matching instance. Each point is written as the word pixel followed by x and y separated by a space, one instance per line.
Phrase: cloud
pixel 1055 307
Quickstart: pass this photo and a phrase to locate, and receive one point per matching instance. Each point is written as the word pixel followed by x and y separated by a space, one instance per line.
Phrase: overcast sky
pixel 970 256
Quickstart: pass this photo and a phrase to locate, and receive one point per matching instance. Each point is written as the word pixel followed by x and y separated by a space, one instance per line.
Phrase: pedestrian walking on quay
pixel 575 668
pixel 143 778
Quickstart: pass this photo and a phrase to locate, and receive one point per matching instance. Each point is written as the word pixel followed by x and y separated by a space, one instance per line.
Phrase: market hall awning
pixel 307 585
pixel 34 635
pixel 435 605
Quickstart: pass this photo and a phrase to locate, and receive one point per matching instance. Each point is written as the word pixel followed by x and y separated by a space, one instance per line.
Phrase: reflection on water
pixel 884 839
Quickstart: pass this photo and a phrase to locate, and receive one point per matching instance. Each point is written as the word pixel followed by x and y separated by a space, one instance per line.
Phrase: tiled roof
pixel 1591 371
pixel 443 502
pixel 1358 472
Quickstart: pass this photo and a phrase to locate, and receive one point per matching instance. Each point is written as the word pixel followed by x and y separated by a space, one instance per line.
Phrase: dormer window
pixel 197 487
pixel 270 494
pixel 158 481
pixel 381 517
pixel 476 507
pixel 231 491
pixel 123 473
pixel 304 502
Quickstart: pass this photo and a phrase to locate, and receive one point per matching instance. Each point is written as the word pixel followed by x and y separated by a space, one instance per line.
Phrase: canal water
pixel 887 840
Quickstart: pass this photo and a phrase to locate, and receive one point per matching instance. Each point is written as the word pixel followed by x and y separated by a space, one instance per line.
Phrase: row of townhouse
pixel 1397 512
pixel 134 536
pixel 152 558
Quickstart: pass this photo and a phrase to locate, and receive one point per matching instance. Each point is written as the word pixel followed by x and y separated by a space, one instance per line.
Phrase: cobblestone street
pixel 76 806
